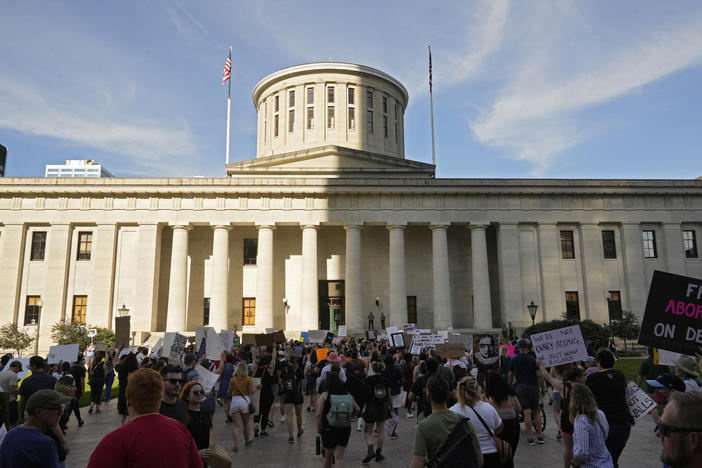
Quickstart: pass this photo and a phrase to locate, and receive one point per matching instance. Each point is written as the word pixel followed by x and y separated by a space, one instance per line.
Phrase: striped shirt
pixel 589 442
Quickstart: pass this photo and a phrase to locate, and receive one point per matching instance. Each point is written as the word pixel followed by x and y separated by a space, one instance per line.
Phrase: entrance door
pixel 331 305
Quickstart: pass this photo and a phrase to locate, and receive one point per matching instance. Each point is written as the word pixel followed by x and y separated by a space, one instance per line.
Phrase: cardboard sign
pixel 264 339
pixel 248 338
pixel 227 338
pixel 122 330
pixel 317 336
pixel 65 353
pixel 279 337
pixel 390 330
pixel 510 348
pixel 178 346
pixel 156 348
pixel 639 403
pixel 214 346
pixel 321 354
pixel 168 338
pixel 450 350
pixel 465 340
pixel 207 378
pixel 672 319
pixel 560 346
pixel 101 347
pixel 127 350
pixel 397 340
pixel 343 330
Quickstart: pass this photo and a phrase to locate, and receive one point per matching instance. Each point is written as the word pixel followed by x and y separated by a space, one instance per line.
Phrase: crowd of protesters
pixel 353 382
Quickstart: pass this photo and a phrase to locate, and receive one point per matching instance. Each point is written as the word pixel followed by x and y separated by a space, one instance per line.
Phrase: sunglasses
pixel 664 429
pixel 174 381
pixel 197 392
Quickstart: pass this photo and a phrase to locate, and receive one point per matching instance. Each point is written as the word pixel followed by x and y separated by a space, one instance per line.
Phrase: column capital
pixel 222 226
pixel 186 227
pixel 309 226
pixel 439 226
pixel 265 226
pixel 350 227
pixel 396 227
pixel 478 226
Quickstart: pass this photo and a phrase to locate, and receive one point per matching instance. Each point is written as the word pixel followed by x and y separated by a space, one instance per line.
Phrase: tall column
pixel 398 287
pixel 264 278
pixel 510 273
pixel 11 261
pixel 593 280
pixel 481 278
pixel 103 258
pixel 674 248
pixel 353 286
pixel 145 311
pixel 58 248
pixel 310 285
pixel 636 287
pixel 220 278
pixel 178 285
pixel 442 287
pixel 549 258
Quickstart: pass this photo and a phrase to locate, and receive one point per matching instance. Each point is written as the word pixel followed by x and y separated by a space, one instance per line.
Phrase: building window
pixel 276 104
pixel 206 311
pixel 690 244
pixel 248 311
pixel 385 126
pixel 369 99
pixel 275 125
pixel 614 305
pixel 649 244
pixel 352 118
pixel 310 95
pixel 609 247
pixel 85 245
pixel 385 105
pixel 396 132
pixel 32 310
pixel 250 251
pixel 291 98
pixel 80 305
pixel 291 120
pixel 412 309
pixel 38 245
pixel 330 95
pixel 567 249
pixel 310 118
pixel 369 121
pixel 572 305
pixel 330 117
pixel 352 96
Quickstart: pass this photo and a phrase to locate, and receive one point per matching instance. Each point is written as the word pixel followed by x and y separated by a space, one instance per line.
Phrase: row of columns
pixel 355 319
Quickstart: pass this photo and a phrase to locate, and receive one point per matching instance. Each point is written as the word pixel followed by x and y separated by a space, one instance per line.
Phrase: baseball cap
pixel 45 399
pixel 670 381
pixel 523 344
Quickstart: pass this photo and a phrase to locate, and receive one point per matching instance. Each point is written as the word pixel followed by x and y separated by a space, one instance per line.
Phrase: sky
pixel 547 89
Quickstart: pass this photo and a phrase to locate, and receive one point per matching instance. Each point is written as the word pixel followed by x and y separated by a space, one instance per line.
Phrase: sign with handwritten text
pixel 639 403
pixel 559 346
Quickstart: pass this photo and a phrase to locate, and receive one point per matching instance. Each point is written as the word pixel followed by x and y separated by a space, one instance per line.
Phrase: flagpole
pixel 431 100
pixel 229 105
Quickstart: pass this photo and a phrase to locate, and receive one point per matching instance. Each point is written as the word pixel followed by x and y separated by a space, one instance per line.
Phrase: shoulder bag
pixel 504 450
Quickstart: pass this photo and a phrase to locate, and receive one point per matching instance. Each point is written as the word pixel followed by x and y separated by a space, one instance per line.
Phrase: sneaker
pixel 531 442
pixel 80 423
pixel 283 418
pixel 90 411
pixel 409 415
pixel 270 424
pixel 540 440
pixel 394 436
pixel 291 440
pixel 235 449
pixel 220 402
pixel 300 432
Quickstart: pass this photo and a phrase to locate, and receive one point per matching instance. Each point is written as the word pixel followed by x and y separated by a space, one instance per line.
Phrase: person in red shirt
pixel 148 439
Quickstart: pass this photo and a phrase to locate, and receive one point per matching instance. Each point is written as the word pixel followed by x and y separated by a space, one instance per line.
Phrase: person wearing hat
pixel 333 358
pixel 26 445
pixel 8 393
pixel 686 369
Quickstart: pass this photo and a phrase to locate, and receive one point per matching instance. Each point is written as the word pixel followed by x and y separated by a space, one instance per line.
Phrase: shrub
pixel 15 339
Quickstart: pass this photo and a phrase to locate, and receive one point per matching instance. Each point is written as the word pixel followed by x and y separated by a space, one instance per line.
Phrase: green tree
pixel 70 333
pixel 627 328
pixel 105 335
pixel 15 339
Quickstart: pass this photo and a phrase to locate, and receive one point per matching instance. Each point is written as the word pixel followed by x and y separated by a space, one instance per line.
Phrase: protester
pixel 377 411
pixel 332 358
pixel 686 369
pixel 311 374
pixel 96 380
pixel 591 366
pixel 335 409
pixel 241 387
pixel 78 372
pixel 482 415
pixel 394 375
pixel 39 380
pixel 198 422
pixel 26 446
pixel 408 367
pixel 504 399
pixel 225 375
pixel 504 362
pixel 8 393
pixel 680 430
pixel 126 366
pixel 524 371
pixel 590 430
pixel 189 372
pixel 434 430
pixel 292 377
pixel 140 442
pixel 171 405
pixel 66 387
pixel 609 388
pixel 265 372
pixel 109 375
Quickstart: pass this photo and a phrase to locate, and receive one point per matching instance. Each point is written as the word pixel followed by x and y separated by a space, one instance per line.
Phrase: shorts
pixel 311 385
pixel 398 401
pixel 376 411
pixel 528 397
pixel 556 396
pixel 296 399
pixel 239 405
pixel 335 436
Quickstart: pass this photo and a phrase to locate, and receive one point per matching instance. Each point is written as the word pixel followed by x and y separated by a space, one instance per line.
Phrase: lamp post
pixel 531 307
pixel 123 311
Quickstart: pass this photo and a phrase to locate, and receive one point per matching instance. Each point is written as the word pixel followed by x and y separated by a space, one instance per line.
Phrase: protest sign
pixel 409 328
pixel 200 333
pixel 666 358
pixel 227 338
pixel 214 345
pixel 92 332
pixel 450 350
pixel 264 339
pixel 127 350
pixel 65 353
pixel 415 347
pixel 236 341
pixel 177 347
pixel 423 331
pixel 305 337
pixel 270 330
pixel 560 346
pixel 322 353
pixel 371 335
pixel 397 340
pixel 639 403
pixel 510 348
pixel 466 340
pixel 443 333
pixel 279 337
pixel 168 338
pixel 329 337
pixel 248 338
pixel 122 329
pixel 25 367
pixel 672 319
pixel 101 346
pixel 343 330
pixel 317 336
pixel 207 378
pixel 157 346
pixel 390 330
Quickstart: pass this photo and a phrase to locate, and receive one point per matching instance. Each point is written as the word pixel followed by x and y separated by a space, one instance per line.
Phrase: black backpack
pixel 458 450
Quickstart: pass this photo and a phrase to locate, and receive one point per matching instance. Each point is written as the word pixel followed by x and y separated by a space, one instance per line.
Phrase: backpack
pixel 289 387
pixel 458 449
pixel 380 392
pixel 340 410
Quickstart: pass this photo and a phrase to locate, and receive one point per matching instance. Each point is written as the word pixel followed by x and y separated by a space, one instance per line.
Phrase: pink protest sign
pixel 510 348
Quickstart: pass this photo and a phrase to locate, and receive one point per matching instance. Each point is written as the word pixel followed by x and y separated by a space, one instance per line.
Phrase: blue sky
pixel 560 89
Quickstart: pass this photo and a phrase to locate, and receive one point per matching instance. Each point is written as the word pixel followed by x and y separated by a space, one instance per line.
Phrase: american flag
pixel 227 68
pixel 430 69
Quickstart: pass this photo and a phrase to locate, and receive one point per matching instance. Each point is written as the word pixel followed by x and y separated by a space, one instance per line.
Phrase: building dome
pixel 320 104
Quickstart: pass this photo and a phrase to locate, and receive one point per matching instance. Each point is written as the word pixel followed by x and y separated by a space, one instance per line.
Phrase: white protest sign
pixel 227 339
pixel 390 330
pixel 466 340
pixel 25 367
pixel 92 332
pixel 177 347
pixel 207 378
pixel 127 350
pixel 214 345
pixel 343 331
pixel 157 346
pixel 65 353
pixel 639 403
pixel 397 340
pixel 423 331
pixel 667 358
pixel 167 343
pixel 443 333
pixel 270 330
pixel 559 346
pixel 317 336
pixel 415 348
pixel 200 333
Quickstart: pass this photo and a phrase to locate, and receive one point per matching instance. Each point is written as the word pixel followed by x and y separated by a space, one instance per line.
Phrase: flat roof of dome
pixel 323 67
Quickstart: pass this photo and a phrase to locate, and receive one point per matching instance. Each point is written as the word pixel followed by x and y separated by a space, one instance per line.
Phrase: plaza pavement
pixel 643 449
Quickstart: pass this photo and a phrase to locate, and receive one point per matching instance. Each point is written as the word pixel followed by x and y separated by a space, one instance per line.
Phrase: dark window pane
pixel 690 244
pixel 250 251
pixel 609 247
pixel 38 245
pixel 85 245
pixel 572 305
pixel 206 311
pixel 411 309
pixel 614 304
pixel 567 249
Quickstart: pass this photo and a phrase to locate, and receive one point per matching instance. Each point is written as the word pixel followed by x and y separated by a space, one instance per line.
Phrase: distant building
pixel 77 168
pixel 3 160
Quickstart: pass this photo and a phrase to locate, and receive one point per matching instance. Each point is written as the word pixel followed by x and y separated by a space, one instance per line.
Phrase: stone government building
pixel 328 217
